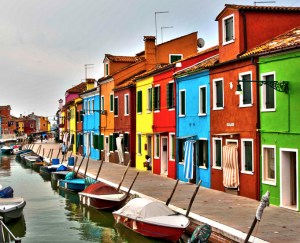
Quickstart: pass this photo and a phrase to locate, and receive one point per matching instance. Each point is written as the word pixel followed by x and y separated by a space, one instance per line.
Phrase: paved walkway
pixel 217 208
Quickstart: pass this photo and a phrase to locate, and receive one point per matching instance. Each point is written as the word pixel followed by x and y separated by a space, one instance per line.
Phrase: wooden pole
pixel 172 193
pixel 128 193
pixel 51 150
pixel 79 166
pixel 192 199
pixel 124 175
pixel 58 153
pixel 49 153
pixel 99 170
pixel 87 164
pixel 251 230
pixel 75 164
pixel 43 151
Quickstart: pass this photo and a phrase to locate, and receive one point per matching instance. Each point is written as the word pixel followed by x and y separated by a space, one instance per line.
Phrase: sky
pixel 44 44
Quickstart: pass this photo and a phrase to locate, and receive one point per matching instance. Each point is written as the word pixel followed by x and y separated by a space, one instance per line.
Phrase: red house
pixel 79 126
pixel 234 118
pixel 29 125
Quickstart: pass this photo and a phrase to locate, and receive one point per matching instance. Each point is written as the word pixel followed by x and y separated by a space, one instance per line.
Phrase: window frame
pixel 215 94
pixel 180 103
pixel 89 106
pixel 224 30
pixel 93 106
pixel 111 105
pixel 264 95
pixel 158 110
pixel 174 90
pixel 126 114
pixel 214 155
pixel 140 90
pixel 268 182
pixel 200 100
pixel 138 143
pixel 102 102
pixel 116 110
pixel 171 146
pixel 85 107
pixel 243 164
pixel 155 146
pixel 148 100
pixel 174 55
pixel 242 84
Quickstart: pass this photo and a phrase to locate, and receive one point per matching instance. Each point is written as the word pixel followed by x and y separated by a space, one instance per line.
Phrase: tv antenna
pixel 264 2
pixel 162 32
pixel 86 67
pixel 156 33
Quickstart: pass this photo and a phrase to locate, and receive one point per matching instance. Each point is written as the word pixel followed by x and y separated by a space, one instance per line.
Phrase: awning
pixel 225 134
pixel 153 133
pixel 187 136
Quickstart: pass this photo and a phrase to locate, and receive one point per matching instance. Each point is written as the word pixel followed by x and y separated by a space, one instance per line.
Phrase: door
pixel 88 142
pixel 106 151
pixel 164 155
pixel 194 179
pixel 149 147
pixel 289 178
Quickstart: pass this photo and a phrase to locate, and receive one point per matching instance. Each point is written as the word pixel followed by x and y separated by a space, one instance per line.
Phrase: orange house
pixel 43 123
pixel 118 70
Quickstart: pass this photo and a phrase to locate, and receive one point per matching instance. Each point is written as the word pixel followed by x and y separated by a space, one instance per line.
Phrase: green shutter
pixel 246 89
pixel 168 96
pixel 173 146
pixel 154 98
pixel 150 99
pixel 203 94
pixel 139 143
pixel 270 93
pixel 158 97
pixel 95 141
pixel 157 146
pixel 139 101
pixel 116 112
pixel 101 142
pixel 110 142
pixel 219 86
pixel 229 29
pixel 111 102
pixel 106 67
pixel 248 156
pixel 172 90
pixel 182 95
pixel 218 152
pixel 77 141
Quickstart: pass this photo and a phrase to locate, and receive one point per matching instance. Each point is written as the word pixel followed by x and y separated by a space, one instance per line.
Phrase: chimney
pixel 90 83
pixel 60 103
pixel 32 113
pixel 150 52
pixel 21 116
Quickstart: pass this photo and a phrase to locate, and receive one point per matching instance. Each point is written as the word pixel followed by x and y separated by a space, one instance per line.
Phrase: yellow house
pixel 21 127
pixel 73 125
pixel 144 121
pixel 63 121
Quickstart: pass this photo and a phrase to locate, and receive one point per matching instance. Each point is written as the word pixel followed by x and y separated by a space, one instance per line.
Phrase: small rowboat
pixel 22 152
pixel 152 219
pixel 59 175
pixel 48 169
pixel 11 208
pixel 31 159
pixel 6 150
pixel 76 185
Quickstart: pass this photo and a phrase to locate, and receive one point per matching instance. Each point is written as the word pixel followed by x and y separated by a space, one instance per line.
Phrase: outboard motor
pixel 7 192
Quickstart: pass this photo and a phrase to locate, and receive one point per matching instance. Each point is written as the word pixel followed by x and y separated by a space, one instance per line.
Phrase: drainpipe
pixel 257 124
pixel 245 34
pixel 100 119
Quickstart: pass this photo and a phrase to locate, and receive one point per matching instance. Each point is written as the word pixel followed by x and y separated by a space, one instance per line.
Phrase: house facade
pixel 79 127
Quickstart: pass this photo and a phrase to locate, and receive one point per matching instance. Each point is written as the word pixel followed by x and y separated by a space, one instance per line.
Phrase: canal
pixel 54 215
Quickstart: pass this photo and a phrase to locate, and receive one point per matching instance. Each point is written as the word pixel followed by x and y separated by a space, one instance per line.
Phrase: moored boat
pixel 6 150
pixel 49 169
pixel 11 208
pixel 59 175
pixel 31 159
pixel 76 185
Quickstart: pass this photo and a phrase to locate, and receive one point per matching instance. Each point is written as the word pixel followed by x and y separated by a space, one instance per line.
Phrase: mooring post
pixel 18 240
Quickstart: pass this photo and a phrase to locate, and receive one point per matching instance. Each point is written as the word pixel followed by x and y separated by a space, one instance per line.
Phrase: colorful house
pixel 193 118
pixel 234 126
pixel 279 117
pixel 1 116
pixel 79 126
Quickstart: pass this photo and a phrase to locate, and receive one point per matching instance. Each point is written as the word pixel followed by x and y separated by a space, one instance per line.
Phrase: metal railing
pixel 6 235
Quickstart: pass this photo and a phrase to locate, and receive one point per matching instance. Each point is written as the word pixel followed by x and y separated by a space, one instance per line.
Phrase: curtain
pixel 188 159
pixel 230 166
pixel 120 150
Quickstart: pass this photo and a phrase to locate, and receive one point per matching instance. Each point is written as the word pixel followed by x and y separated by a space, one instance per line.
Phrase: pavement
pixel 228 214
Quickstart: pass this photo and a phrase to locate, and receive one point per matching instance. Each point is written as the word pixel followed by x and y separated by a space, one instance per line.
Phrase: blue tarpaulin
pixel 62 168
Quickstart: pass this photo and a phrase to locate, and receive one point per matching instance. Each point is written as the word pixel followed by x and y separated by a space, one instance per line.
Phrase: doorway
pixel 149 147
pixel 289 178
pixel 164 156
pixel 106 151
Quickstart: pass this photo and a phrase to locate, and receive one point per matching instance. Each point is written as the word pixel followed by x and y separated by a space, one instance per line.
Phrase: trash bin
pixel 55 161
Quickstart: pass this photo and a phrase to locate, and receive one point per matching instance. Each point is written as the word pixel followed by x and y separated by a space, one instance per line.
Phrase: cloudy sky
pixel 44 44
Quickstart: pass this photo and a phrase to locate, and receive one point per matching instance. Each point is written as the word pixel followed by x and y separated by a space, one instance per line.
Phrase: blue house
pixel 92 143
pixel 193 123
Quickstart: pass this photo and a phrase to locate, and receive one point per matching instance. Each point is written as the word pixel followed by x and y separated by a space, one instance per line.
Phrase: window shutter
pixel 110 142
pixel 219 86
pixel 139 143
pixel 229 29
pixel 158 98
pixel 182 93
pixel 115 135
pixel 218 153
pixel 139 101
pixel 246 89
pixel 116 111
pixel 203 90
pixel 111 102
pixel 81 115
pixel 248 156
pixel 173 59
pixel 200 155
pixel 154 98
pixel 150 99
pixel 100 142
pixel 157 145
pixel 77 116
pixel 168 96
pixel 173 146
pixel 172 90
pixel 206 153
pixel 270 93
pixel 95 141
pixel 180 150
pixel 106 68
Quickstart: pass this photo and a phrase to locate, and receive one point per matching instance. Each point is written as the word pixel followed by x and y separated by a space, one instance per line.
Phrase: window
pixel 116 106
pixel 92 139
pixel 156 150
pixel 106 69
pixel 170 95
pixel 217 152
pixel 228 30
pixel 247 155
pixel 93 106
pixel 111 102
pixel 126 142
pixel 139 143
pixel 139 102
pixel 268 93
pixel 95 138
pixel 101 142
pixel 175 57
pixel 102 102
pixel 111 143
pixel 182 103
pixel 218 97
pixel 126 103
pixel 85 107
pixel 172 146
pixel 202 153
pixel 156 98
pixel 114 145
pixel 202 100
pixel 149 99
pixel 269 164
pixel 44 125
pixel 81 115
pixel 31 126
pixel 246 97
pixel 181 150
pixel 89 106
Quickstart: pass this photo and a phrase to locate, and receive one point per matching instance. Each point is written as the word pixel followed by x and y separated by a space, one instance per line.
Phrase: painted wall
pixel 71 96
pixel 79 126
pixel 73 124
pixel 0 128
pixel 286 68
pixel 192 124
pixel 144 122
pixel 91 124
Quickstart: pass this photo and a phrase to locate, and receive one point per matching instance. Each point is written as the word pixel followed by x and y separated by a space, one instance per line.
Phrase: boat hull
pixel 6 151
pixel 37 165
pixel 101 204
pixel 58 176
pixel 12 213
pixel 46 170
pixel 151 230
pixel 76 187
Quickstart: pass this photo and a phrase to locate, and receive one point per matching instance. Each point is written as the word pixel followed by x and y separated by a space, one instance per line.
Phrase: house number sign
pixel 230 124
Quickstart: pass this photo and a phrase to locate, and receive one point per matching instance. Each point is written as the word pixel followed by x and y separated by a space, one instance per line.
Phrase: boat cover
pixel 62 168
pixel 100 189
pixel 69 176
pixel 143 208
pixel 88 181
pixel 7 192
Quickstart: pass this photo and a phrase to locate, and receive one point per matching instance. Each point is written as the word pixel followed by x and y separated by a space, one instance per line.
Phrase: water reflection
pixel 17 227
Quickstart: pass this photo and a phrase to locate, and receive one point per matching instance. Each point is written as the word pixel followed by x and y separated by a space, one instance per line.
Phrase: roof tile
pixel 78 88
pixel 5 107
pixel 123 58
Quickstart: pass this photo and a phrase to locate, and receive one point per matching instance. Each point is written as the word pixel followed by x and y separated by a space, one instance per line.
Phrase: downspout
pixel 100 119
pixel 257 125
pixel 173 69
pixel 245 35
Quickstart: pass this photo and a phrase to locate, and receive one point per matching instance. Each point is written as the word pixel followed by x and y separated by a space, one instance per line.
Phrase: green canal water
pixel 54 215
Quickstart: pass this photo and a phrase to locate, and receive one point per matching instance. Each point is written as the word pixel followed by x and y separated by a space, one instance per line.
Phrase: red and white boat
pixel 152 219
pixel 102 196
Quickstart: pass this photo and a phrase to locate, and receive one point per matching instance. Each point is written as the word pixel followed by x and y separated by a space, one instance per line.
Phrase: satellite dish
pixel 200 43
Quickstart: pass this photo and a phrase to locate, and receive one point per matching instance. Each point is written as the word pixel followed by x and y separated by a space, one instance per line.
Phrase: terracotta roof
pixel 288 40
pixel 3 116
pixel 152 70
pixel 202 65
pixel 5 107
pixel 257 8
pixel 140 53
pixel 78 88
pixel 149 38
pixel 123 58
pixel 129 80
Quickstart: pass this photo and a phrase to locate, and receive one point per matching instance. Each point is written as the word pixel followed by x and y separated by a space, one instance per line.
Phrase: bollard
pixel 18 240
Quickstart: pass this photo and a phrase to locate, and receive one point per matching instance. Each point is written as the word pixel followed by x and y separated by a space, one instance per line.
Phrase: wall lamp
pixel 280 86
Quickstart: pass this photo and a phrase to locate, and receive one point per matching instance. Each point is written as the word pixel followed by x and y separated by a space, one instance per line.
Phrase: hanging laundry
pixel 230 166
pixel 188 159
